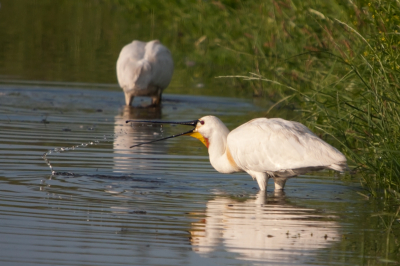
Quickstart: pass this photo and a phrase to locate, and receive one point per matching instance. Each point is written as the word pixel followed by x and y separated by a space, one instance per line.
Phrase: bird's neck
pixel 220 156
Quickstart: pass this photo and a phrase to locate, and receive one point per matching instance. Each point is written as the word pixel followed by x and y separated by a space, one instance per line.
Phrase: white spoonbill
pixel 144 69
pixel 264 148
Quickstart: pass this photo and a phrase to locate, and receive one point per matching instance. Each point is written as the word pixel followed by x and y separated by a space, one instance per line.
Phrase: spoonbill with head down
pixel 264 148
pixel 144 69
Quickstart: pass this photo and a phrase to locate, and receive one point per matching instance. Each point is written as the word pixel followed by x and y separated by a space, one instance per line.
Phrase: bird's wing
pixel 162 63
pixel 132 70
pixel 264 145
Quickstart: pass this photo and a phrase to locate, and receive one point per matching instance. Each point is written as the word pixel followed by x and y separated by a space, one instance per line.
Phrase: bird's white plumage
pixel 277 145
pixel 144 69
pixel 268 148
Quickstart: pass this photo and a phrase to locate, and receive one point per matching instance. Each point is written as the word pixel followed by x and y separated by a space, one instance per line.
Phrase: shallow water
pixel 157 204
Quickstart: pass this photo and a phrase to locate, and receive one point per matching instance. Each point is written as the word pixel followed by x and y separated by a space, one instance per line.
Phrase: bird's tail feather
pixel 340 166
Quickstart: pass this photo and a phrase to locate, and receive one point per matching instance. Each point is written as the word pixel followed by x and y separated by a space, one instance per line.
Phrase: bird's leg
pixel 279 183
pixel 262 179
pixel 156 99
pixel 128 98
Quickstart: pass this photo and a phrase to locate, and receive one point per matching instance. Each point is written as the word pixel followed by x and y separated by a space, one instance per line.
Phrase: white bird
pixel 144 69
pixel 264 148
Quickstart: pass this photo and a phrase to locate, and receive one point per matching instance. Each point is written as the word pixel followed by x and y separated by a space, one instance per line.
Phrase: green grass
pixel 348 89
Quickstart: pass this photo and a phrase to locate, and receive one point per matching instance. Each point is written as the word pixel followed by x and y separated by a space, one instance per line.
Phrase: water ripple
pixel 106 204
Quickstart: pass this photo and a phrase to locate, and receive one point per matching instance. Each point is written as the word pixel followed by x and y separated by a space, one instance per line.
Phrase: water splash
pixel 63 149
pixel 106 138
pixel 103 139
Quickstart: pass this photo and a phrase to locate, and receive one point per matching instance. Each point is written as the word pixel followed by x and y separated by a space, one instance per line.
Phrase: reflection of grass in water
pixel 375 246
pixel 390 220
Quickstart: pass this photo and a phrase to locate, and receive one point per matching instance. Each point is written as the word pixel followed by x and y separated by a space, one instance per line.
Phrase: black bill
pixel 188 123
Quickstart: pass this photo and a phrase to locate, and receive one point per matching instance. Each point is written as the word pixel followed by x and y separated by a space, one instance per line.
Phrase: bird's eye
pixel 201 122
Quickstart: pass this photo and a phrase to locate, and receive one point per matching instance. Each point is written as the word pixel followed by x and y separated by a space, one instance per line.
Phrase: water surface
pixel 159 204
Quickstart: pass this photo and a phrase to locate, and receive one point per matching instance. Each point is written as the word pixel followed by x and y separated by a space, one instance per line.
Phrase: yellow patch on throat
pixel 198 136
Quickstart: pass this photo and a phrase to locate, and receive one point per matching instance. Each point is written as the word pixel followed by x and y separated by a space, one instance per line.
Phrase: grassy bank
pixel 357 99
pixel 347 85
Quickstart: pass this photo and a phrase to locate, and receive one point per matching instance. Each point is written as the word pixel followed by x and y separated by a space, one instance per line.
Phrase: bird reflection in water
pixel 126 136
pixel 261 229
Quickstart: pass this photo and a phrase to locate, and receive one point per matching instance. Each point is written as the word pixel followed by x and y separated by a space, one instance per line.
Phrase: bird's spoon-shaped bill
pixel 191 132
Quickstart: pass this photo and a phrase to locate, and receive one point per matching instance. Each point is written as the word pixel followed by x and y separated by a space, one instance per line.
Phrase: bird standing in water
pixel 264 148
pixel 144 69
